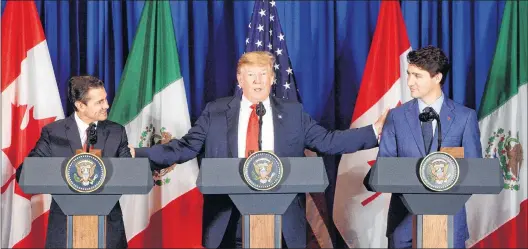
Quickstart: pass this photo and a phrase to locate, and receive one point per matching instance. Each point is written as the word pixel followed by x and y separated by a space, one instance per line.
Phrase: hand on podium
pixel 132 151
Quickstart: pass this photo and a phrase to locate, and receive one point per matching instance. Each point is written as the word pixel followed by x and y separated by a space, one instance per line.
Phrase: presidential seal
pixel 439 171
pixel 263 170
pixel 85 172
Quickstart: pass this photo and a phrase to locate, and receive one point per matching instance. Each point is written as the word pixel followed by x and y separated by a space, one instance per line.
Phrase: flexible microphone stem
pixel 439 132
pixel 260 113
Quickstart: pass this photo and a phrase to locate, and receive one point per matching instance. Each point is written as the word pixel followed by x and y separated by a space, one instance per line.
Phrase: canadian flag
pixel 360 215
pixel 30 100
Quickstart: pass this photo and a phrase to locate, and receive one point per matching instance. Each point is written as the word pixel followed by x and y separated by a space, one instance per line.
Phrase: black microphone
pixel 92 136
pixel 429 114
pixel 260 112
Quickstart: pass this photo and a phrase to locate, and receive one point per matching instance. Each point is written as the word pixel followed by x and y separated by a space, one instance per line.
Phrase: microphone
pixel 429 114
pixel 260 110
pixel 92 136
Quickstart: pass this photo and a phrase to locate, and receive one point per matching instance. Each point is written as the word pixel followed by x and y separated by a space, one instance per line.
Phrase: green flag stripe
pixel 509 69
pixel 152 63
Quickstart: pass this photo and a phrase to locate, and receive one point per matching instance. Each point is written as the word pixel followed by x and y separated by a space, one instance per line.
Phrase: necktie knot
pixel 253 107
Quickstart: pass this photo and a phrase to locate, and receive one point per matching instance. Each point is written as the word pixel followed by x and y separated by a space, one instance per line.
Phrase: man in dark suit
pixel 404 135
pixel 228 127
pixel 63 137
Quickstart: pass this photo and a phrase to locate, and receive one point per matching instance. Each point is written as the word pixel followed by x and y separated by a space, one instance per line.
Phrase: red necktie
pixel 252 132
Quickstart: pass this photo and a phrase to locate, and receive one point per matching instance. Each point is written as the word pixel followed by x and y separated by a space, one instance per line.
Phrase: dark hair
pixel 430 59
pixel 78 87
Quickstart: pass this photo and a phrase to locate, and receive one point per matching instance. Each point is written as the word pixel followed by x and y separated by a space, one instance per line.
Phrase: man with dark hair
pixel 404 135
pixel 63 137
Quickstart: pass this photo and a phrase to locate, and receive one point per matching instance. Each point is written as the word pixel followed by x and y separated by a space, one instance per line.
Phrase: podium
pixel 261 210
pixel 86 211
pixel 434 211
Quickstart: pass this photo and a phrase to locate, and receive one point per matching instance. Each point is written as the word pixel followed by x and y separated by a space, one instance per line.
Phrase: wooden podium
pixel 433 230
pixel 86 212
pixel 262 210
pixel 434 210
pixel 85 229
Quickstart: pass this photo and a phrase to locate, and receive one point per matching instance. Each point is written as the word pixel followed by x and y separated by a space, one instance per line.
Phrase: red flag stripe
pixel 37 236
pixel 378 72
pixel 17 41
pixel 510 235
pixel 168 222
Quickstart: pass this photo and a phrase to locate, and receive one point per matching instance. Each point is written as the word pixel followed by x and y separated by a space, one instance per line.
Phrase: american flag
pixel 265 34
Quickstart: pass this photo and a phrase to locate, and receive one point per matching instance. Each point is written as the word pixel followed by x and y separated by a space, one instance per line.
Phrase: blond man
pixel 228 127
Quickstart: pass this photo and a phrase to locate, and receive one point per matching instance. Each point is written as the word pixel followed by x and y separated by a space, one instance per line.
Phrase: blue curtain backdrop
pixel 328 44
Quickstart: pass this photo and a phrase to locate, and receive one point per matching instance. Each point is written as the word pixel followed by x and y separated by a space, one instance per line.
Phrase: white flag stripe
pixel 169 104
pixel 360 215
pixel 486 213
pixel 35 87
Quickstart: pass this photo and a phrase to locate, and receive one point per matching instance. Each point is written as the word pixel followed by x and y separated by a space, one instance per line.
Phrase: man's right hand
pixel 380 122
pixel 132 150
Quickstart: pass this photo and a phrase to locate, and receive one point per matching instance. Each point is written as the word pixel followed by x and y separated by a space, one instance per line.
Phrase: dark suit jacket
pixel 216 131
pixel 60 139
pixel 402 137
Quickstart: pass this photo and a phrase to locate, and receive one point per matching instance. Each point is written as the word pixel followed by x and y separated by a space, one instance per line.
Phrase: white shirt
pixel 82 126
pixel 268 137
pixel 437 106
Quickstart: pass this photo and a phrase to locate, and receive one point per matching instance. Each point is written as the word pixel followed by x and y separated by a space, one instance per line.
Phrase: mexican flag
pixel 501 221
pixel 30 100
pixel 360 215
pixel 152 105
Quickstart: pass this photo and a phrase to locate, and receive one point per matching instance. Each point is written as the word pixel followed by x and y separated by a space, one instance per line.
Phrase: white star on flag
pixel 266 34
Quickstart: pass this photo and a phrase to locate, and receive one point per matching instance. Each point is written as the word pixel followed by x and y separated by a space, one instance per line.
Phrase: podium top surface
pixel 224 176
pixel 45 175
pixel 400 175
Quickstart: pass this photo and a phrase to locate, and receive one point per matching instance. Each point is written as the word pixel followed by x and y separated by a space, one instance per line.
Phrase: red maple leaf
pixel 23 140
pixel 373 196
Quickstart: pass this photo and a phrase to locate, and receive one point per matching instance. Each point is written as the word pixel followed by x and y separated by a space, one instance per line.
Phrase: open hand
pixel 381 120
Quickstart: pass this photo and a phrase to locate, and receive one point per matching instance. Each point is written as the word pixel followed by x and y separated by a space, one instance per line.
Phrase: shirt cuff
pixel 375 132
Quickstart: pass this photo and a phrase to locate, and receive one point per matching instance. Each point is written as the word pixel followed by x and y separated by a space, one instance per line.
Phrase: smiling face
pixel 255 75
pixel 94 107
pixel 422 85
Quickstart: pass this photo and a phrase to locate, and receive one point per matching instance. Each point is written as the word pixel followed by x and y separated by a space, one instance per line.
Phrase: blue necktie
pixel 427 134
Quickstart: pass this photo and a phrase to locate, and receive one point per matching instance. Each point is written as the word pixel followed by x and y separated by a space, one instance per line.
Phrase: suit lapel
pixel 447 117
pixel 411 115
pixel 279 131
pixel 232 114
pixel 102 135
pixel 72 133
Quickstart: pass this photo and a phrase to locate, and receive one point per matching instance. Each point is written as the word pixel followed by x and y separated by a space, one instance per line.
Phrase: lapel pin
pixel 448 118
pixel 279 116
